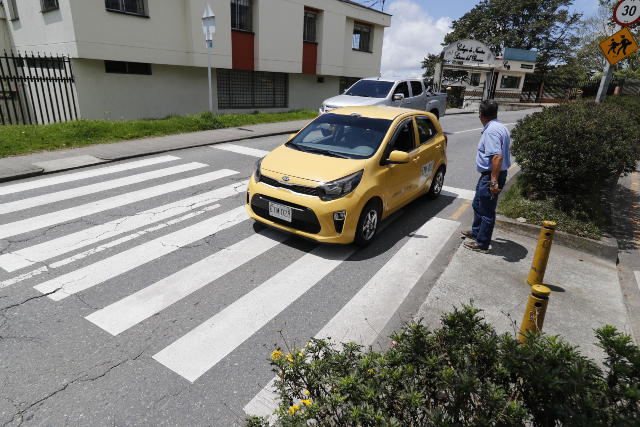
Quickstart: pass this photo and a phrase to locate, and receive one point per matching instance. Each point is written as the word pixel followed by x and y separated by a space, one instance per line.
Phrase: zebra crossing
pixel 190 201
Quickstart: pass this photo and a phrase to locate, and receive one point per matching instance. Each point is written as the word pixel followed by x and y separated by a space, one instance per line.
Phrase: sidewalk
pixel 585 295
pixel 35 164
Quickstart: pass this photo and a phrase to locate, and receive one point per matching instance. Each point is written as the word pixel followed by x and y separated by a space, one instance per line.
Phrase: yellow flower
pixel 293 409
pixel 306 402
pixel 307 344
pixel 370 370
pixel 306 392
pixel 300 353
pixel 289 357
pixel 277 354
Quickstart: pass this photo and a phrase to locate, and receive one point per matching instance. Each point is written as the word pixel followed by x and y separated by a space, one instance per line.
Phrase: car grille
pixel 302 218
pixel 300 189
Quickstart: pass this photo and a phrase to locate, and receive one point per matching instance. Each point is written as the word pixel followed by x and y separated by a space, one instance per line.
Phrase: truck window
pixel 416 88
pixel 370 89
pixel 402 88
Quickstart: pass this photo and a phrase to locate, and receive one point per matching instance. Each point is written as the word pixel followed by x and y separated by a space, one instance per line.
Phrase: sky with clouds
pixel 419 26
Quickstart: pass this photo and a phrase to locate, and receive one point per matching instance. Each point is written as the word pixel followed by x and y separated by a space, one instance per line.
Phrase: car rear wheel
pixel 436 184
pixel 367 224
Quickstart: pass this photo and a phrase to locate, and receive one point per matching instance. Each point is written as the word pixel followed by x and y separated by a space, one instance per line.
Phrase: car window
pixel 416 88
pixel 405 140
pixel 426 129
pixel 402 88
pixel 350 136
pixel 370 89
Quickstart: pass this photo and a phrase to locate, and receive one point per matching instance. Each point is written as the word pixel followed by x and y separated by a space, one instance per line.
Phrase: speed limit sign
pixel 627 12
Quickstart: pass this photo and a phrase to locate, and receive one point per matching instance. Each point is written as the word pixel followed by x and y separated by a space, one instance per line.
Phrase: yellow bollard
pixel 533 318
pixel 540 258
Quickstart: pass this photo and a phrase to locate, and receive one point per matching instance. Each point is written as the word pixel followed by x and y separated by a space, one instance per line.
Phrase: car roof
pixel 376 111
pixel 393 79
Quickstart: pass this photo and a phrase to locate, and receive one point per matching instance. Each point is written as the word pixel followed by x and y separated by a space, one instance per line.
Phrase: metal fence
pixel 541 88
pixel 36 89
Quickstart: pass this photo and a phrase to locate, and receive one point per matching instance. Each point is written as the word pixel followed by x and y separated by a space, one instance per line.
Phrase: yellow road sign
pixel 619 46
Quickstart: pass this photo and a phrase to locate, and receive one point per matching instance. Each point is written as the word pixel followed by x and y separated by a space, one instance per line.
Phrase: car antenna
pixel 379 75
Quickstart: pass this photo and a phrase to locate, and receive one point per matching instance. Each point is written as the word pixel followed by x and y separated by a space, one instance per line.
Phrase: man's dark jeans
pixel 484 209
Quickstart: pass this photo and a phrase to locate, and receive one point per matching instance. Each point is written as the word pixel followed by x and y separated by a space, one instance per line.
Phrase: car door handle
pixel 416 159
pixel 439 146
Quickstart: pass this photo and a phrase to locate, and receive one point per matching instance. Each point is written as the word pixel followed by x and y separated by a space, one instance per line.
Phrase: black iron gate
pixel 543 88
pixel 36 90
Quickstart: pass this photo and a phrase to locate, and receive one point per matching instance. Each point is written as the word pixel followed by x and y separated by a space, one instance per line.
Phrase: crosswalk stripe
pixel 128 312
pixel 70 214
pixel 199 350
pixel 373 306
pixel 72 193
pixel 458 192
pixel 101 271
pixel 13 261
pixel 240 149
pixel 61 179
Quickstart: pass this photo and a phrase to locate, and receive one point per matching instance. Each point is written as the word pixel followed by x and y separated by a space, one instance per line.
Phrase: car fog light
pixel 339 216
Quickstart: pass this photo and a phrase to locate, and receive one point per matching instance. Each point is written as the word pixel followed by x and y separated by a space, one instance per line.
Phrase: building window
pixel 510 82
pixel 241 15
pixel 13 10
pixel 135 7
pixel 361 38
pixel 474 79
pixel 347 82
pixel 48 5
pixel 45 63
pixel 239 89
pixel 120 67
pixel 310 21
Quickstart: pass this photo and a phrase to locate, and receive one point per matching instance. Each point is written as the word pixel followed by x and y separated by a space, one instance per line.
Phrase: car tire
pixel 367 224
pixel 436 184
pixel 435 113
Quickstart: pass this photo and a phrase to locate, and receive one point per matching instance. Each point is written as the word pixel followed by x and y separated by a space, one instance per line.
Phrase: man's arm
pixel 496 165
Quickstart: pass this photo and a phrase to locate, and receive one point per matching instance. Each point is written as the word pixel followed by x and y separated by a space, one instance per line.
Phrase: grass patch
pixel 23 139
pixel 581 216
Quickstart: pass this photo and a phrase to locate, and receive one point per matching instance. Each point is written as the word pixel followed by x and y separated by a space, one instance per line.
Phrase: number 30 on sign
pixel 627 12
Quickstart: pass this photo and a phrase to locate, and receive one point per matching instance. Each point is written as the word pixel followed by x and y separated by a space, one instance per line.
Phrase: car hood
pixel 352 101
pixel 307 168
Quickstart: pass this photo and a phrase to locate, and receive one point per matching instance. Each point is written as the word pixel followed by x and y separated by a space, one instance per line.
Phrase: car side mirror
pixel 291 137
pixel 398 97
pixel 398 158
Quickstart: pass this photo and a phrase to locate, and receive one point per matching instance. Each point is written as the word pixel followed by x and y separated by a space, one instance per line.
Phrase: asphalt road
pixel 139 293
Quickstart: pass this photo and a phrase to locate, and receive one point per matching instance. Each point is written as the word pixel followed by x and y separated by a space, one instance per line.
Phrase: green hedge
pixel 570 149
pixel 463 374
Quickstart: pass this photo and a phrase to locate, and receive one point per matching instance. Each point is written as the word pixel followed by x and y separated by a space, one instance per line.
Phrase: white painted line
pixel 52 248
pixel 637 273
pixel 61 179
pixel 471 130
pixel 122 315
pixel 68 215
pixel 73 193
pixel 372 307
pixel 458 192
pixel 240 149
pixel 94 274
pixel 199 350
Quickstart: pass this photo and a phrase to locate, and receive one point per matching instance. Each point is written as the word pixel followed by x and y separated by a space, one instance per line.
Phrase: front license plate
pixel 280 211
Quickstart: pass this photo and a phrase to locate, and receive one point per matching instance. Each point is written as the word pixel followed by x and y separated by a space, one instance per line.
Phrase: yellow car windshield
pixel 342 136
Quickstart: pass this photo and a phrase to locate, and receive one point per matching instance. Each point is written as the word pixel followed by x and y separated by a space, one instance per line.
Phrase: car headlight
pixel 340 187
pixel 256 170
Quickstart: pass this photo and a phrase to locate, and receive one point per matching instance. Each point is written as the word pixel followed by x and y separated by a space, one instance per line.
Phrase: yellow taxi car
pixel 336 179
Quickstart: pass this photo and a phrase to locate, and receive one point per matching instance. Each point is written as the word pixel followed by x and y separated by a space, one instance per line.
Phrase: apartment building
pixel 148 58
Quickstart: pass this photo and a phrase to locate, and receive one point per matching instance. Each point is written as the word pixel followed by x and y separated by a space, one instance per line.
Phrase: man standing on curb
pixel 492 161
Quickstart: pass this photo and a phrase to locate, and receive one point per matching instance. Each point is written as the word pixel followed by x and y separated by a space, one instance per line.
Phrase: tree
pixel 542 25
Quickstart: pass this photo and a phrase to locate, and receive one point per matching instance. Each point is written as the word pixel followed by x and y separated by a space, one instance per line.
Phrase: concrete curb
pixel 607 248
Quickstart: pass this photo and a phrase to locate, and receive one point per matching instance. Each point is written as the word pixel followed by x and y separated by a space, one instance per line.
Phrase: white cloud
pixel 412 35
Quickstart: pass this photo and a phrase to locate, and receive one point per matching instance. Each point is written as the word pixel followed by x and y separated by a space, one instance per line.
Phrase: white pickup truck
pixel 393 91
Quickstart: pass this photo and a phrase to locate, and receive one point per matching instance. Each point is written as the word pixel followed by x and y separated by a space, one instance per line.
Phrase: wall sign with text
pixel 468 51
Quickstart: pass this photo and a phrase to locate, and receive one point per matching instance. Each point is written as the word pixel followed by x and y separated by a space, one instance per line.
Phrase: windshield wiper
pixel 296 146
pixel 326 152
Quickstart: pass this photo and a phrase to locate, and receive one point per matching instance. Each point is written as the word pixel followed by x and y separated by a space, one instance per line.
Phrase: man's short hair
pixel 489 108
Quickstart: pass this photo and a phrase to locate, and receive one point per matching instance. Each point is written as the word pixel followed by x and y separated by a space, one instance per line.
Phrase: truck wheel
pixel 436 184
pixel 435 113
pixel 367 224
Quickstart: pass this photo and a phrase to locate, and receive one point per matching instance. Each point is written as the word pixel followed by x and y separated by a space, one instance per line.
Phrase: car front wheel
pixel 367 224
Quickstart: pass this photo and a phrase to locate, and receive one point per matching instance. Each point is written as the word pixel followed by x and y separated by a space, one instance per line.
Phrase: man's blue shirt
pixel 495 140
